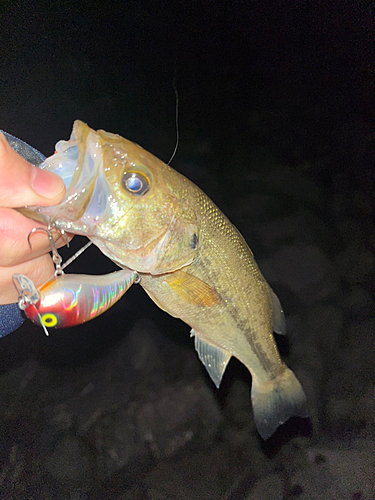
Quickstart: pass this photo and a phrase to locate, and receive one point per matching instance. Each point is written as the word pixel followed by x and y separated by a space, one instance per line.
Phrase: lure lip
pixel 29 298
pixel 28 293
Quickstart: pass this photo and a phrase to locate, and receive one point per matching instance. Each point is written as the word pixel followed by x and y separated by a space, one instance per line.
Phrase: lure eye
pixel 135 183
pixel 49 319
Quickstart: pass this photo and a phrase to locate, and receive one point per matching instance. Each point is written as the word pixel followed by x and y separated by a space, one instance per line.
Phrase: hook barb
pixel 56 257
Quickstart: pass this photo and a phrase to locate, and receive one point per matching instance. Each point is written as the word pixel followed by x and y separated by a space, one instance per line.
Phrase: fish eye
pixel 135 183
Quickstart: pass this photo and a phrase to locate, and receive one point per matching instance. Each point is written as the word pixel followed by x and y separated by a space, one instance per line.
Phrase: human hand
pixel 23 184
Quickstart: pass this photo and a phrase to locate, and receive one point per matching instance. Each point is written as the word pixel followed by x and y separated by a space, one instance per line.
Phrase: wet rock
pixel 157 424
pixel 201 474
pixel 140 350
pixel 270 487
pixel 338 474
pixel 69 464
pixel 145 398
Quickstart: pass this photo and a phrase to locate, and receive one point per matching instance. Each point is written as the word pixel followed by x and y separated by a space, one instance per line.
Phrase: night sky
pixel 113 65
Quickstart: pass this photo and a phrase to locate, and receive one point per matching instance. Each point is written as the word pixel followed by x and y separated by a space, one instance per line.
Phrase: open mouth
pixel 78 162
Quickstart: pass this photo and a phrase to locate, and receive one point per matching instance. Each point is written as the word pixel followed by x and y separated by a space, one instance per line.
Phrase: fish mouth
pixel 78 162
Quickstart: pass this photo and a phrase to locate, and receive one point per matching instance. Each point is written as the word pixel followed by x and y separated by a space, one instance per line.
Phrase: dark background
pixel 276 124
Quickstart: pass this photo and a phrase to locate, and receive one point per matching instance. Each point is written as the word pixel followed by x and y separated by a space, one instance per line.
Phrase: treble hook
pixel 56 257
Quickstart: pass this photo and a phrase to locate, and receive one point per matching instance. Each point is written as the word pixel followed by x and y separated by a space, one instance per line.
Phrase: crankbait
pixel 70 299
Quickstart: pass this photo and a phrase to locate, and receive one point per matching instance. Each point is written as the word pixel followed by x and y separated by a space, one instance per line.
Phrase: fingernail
pixel 46 183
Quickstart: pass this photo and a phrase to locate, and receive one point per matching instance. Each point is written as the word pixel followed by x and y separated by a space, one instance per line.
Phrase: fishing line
pixel 77 254
pixel 177 129
pixel 56 257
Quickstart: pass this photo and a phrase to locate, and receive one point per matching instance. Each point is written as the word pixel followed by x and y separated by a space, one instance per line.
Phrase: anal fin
pixel 213 358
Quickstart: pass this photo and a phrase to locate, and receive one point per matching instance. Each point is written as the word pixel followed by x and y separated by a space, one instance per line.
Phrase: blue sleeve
pixel 10 314
pixel 10 319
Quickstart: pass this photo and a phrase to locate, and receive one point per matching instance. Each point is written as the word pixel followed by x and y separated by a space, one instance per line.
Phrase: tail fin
pixel 275 401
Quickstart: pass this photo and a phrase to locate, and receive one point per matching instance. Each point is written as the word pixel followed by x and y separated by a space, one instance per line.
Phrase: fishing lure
pixel 70 299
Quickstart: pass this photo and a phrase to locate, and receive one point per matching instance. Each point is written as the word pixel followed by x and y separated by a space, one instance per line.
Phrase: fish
pixel 191 260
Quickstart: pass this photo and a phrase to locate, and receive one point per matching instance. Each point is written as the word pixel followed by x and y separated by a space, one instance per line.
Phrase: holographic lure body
pixel 71 299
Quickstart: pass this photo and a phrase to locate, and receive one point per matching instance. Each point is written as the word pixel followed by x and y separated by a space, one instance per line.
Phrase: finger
pixel 39 270
pixel 14 246
pixel 23 184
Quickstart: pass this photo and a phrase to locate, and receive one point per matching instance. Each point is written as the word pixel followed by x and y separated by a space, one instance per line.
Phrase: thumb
pixel 23 184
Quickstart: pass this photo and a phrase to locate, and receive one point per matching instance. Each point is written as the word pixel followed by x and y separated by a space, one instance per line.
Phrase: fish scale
pixel 230 276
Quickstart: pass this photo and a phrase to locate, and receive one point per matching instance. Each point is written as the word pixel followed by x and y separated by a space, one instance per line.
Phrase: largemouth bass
pixel 192 262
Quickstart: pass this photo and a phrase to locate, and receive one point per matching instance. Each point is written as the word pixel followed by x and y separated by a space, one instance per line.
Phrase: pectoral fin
pixel 213 358
pixel 279 325
pixel 192 289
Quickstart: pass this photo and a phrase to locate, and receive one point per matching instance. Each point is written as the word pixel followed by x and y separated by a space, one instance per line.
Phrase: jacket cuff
pixel 10 318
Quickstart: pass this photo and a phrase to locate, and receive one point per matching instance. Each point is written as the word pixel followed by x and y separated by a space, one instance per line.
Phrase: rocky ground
pixel 121 408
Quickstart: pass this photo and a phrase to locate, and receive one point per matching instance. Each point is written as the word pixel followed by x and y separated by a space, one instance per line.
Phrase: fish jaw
pixel 78 162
